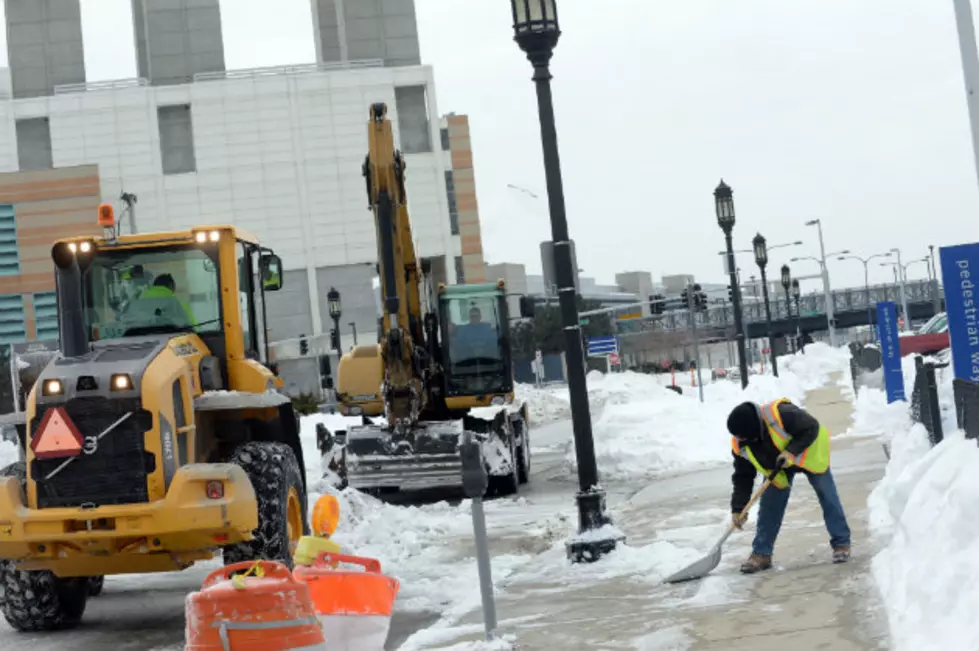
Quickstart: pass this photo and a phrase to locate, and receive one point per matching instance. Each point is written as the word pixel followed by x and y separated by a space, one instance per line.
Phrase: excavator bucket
pixel 426 458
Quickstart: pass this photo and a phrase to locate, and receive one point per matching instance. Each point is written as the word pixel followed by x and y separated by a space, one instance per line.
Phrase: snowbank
pixel 925 507
pixel 929 572
pixel 873 417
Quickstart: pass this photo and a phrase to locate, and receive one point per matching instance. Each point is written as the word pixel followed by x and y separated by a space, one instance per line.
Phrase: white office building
pixel 276 151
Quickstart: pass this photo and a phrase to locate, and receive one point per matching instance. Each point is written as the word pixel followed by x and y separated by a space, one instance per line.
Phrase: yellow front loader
pixel 158 437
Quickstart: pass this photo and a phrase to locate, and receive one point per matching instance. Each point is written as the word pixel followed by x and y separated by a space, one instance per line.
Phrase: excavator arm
pixel 403 348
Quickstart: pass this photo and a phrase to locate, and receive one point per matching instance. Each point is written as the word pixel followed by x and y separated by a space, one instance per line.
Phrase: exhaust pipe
pixel 71 322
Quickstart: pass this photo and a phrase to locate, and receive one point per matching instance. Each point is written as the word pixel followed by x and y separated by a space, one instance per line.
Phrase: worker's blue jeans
pixel 772 509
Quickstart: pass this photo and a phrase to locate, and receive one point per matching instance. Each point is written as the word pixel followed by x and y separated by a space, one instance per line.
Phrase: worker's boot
pixel 756 563
pixel 841 554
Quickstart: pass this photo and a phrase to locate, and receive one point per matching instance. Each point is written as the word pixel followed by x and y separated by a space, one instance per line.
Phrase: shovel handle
pixel 754 498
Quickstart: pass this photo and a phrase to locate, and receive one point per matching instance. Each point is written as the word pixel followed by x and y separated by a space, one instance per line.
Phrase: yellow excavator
pixel 442 366
pixel 158 436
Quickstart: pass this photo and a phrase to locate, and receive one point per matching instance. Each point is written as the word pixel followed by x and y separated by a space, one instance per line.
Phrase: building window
pixel 46 316
pixel 177 139
pixel 12 328
pixel 450 193
pixel 460 271
pixel 34 144
pixel 444 134
pixel 413 119
pixel 9 257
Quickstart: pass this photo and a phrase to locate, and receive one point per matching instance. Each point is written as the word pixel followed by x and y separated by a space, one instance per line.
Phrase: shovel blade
pixel 697 570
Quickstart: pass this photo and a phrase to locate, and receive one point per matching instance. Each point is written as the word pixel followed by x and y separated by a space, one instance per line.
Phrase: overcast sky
pixel 853 112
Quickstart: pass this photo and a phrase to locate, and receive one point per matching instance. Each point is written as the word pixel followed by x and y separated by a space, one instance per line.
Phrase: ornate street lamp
pixel 724 206
pixel 333 301
pixel 536 31
pixel 761 259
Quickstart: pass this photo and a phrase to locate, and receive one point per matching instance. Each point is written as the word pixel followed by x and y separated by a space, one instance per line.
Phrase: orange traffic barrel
pixel 354 606
pixel 264 609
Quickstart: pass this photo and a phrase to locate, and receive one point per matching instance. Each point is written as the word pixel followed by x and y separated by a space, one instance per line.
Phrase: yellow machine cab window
pixel 138 292
pixel 474 320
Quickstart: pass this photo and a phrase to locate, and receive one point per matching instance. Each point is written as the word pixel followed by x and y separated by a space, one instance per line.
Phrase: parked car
pixel 929 338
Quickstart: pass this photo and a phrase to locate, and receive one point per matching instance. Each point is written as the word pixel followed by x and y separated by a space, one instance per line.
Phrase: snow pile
pixel 544 406
pixel 873 417
pixel 814 367
pixel 929 572
pixel 8 453
pixel 642 428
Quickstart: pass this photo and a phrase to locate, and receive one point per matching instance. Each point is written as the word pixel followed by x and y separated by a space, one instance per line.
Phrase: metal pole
pixel 866 284
pixel 336 326
pixel 935 299
pixel 970 69
pixel 788 313
pixel 738 317
pixel 14 376
pixel 590 497
pixel 353 329
pixel 904 296
pixel 830 307
pixel 130 200
pixel 484 567
pixel 696 344
pixel 798 326
pixel 768 319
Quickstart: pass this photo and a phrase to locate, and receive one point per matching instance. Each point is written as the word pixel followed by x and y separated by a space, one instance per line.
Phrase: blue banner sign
pixel 890 351
pixel 960 273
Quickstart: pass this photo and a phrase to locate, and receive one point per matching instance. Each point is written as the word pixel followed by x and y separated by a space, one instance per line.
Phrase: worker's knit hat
pixel 744 421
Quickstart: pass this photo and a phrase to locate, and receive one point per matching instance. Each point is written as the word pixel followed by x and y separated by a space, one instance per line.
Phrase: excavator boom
pixel 436 360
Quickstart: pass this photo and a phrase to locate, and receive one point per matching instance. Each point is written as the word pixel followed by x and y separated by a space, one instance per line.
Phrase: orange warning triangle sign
pixel 57 436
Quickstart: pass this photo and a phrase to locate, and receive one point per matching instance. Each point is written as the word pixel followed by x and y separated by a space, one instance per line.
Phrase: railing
pixel 300 69
pixel 722 316
pixel 93 86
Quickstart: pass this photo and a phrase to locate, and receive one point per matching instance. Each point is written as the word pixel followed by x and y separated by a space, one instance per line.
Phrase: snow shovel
pixel 705 565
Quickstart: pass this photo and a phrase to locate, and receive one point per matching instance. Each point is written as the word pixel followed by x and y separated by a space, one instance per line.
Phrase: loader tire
pixel 278 484
pixel 41 601
pixel 38 601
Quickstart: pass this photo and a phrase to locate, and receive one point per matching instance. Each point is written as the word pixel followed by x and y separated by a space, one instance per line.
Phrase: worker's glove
pixel 783 460
pixel 738 520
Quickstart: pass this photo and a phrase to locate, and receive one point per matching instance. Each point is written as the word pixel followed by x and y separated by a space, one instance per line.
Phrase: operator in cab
pixel 160 300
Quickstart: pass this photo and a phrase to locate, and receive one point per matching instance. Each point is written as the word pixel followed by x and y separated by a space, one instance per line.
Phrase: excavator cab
pixel 475 341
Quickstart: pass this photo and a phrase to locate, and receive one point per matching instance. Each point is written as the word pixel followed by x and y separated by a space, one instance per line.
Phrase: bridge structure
pixel 852 306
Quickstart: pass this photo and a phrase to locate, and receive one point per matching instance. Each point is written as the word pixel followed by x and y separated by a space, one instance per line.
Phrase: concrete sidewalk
pixel 806 602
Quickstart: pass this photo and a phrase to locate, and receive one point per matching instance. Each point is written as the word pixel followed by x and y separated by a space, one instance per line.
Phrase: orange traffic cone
pixel 354 607
pixel 266 609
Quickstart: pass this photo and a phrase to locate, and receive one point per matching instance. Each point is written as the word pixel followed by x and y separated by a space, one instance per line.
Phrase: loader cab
pixel 475 340
pixel 115 288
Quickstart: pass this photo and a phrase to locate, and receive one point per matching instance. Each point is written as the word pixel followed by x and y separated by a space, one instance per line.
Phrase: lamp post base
pixel 597 536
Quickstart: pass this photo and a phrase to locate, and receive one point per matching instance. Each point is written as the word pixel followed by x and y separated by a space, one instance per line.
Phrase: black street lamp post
pixel 761 258
pixel 333 301
pixel 536 31
pixel 796 293
pixel 724 204
pixel 787 285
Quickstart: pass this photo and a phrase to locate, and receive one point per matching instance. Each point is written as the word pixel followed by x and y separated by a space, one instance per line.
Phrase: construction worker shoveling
pixel 778 440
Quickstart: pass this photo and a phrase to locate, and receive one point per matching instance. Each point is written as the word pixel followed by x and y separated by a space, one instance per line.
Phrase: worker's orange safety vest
pixel 814 459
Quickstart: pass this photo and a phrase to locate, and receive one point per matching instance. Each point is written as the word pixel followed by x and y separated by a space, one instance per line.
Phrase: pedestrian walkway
pixel 805 603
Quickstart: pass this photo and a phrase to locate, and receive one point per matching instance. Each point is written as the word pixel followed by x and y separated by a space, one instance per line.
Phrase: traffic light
pixel 685 297
pixel 303 345
pixel 698 298
pixel 730 294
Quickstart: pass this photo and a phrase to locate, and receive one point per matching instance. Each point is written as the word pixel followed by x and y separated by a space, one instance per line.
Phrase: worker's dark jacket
pixel 803 429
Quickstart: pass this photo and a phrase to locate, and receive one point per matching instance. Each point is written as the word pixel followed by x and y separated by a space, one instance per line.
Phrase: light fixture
pixel 333 301
pixel 786 276
pixel 214 236
pixel 85 247
pixel 761 250
pixel 724 205
pixel 121 382
pixel 201 237
pixel 73 247
pixel 52 388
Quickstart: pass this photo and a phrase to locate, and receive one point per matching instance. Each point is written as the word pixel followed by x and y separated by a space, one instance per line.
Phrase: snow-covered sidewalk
pixel 621 602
